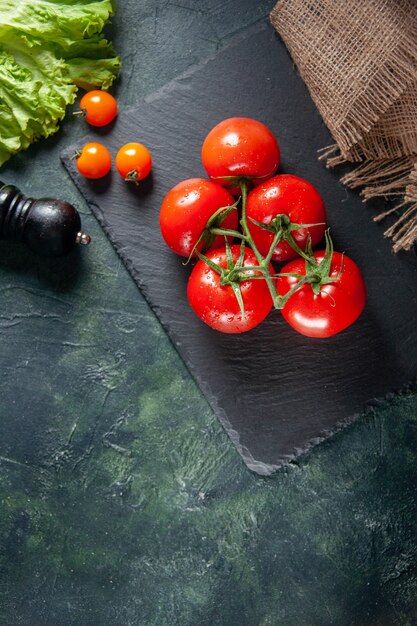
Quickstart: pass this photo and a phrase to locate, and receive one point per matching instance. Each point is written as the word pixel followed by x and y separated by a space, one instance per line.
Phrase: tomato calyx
pixel 76 154
pixel 233 274
pixel 82 112
pixel 282 227
pixel 317 273
pixel 213 229
pixel 132 177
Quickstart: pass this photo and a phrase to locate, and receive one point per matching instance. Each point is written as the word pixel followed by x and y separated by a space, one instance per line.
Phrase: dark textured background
pixel 122 499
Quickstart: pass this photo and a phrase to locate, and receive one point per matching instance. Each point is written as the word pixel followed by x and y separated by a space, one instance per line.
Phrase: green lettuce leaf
pixel 47 50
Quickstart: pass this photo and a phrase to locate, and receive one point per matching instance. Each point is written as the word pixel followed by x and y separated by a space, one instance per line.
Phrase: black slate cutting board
pixel 276 392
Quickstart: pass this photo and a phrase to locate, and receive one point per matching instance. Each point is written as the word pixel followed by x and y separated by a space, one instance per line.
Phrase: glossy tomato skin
pixel 240 147
pixel 337 306
pixel 94 160
pixel 134 161
pixel 99 107
pixel 186 209
pixel 296 198
pixel 217 306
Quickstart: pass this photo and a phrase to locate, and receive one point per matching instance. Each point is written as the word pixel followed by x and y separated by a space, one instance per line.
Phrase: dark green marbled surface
pixel 123 502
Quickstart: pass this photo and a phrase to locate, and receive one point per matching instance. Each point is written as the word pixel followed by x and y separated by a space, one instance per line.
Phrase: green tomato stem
pixel 227 233
pixel 280 301
pixel 291 241
pixel 264 265
pixel 277 238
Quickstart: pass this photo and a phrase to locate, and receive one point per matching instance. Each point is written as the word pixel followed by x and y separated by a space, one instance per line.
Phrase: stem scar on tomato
pixel 134 162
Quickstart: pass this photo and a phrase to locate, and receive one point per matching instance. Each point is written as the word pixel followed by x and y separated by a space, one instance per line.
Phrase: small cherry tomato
pixel 186 210
pixel 99 108
pixel 238 148
pixel 291 196
pixel 93 161
pixel 334 308
pixel 217 305
pixel 134 162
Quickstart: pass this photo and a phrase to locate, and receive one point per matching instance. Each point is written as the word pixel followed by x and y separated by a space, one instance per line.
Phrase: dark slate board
pixel 276 392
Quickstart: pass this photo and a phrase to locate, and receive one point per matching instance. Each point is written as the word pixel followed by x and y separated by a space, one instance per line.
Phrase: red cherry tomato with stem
pixel 185 211
pixel 134 162
pixel 216 304
pixel 93 160
pixel 294 197
pixel 237 148
pixel 334 308
pixel 99 108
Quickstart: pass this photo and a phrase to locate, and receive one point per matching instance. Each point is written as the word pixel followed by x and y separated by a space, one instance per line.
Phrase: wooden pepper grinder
pixel 49 227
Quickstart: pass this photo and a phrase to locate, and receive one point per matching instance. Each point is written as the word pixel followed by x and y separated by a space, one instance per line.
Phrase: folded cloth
pixel 358 59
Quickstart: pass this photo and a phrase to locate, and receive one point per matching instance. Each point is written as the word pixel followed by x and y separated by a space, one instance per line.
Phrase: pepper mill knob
pixel 48 226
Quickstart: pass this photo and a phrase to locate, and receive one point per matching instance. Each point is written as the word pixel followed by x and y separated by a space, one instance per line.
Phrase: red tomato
pixel 240 147
pixel 217 305
pixel 99 108
pixel 337 305
pixel 134 162
pixel 186 210
pixel 94 160
pixel 294 197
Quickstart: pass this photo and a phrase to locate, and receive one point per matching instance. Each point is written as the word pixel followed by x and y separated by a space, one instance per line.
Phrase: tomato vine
pixel 274 229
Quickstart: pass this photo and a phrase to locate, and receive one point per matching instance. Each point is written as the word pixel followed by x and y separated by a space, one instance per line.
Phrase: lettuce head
pixel 48 48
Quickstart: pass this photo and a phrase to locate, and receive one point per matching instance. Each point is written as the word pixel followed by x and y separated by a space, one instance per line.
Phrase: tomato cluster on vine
pixel 244 219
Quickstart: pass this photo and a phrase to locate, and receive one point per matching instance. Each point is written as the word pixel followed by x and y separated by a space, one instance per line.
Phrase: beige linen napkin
pixel 358 59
